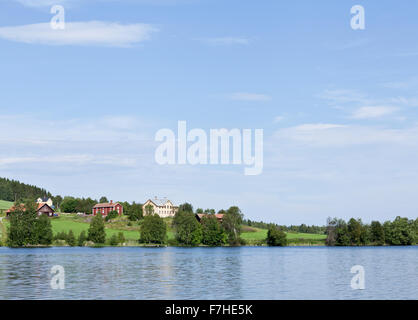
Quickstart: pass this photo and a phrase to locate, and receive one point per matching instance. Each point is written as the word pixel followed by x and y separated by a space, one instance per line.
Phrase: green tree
pixel 400 232
pixel 82 238
pixel 276 237
pixel 43 230
pixel 188 229
pixel 153 230
pixel 112 215
pixel 377 233
pixel 342 237
pixel 149 210
pixel 186 207
pixel 85 205
pixel 113 240
pixel 213 234
pixel 97 232
pixel 26 228
pixel 231 222
pixel 331 231
pixel 69 205
pixel 103 200
pixel 57 201
pixel 121 238
pixel 356 232
pixel 12 190
pixel 133 211
pixel 71 241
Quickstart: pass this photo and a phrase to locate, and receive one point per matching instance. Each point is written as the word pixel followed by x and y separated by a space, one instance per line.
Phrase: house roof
pixel 106 205
pixel 13 208
pixel 160 202
pixel 22 206
pixel 218 216
pixel 44 199
pixel 41 205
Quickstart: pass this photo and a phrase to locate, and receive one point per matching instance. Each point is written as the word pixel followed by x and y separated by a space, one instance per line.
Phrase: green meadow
pixel 256 236
pixel 5 205
pixel 252 236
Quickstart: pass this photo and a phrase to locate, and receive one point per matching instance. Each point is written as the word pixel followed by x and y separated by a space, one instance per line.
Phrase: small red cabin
pixel 105 208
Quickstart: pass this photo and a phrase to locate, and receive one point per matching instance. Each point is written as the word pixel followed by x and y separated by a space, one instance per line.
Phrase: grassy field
pixel 257 236
pixel 4 205
pixel 253 236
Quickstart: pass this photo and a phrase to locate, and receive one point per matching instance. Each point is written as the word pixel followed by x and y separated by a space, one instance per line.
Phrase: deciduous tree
pixel 97 232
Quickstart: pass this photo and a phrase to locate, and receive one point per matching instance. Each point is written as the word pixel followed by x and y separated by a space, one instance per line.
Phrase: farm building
pixel 163 207
pixel 42 208
pixel 200 216
pixel 46 209
pixel 105 208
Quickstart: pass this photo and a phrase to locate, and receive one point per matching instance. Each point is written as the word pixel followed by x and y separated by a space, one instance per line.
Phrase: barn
pixel 105 208
pixel 45 209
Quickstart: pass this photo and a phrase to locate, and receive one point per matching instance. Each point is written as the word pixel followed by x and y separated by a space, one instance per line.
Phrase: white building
pixel 163 207
pixel 46 200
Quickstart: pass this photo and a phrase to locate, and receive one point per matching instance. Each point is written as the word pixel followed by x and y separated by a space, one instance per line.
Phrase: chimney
pixel 111 201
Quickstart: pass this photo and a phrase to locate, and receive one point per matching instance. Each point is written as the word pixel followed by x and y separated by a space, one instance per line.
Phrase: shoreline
pixel 202 246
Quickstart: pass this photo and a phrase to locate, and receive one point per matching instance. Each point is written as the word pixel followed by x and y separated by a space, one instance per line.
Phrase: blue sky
pixel 338 106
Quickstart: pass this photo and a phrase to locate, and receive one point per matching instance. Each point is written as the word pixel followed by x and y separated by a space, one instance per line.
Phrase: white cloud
pixel 74 159
pixel 226 41
pixel 341 96
pixel 95 33
pixel 45 3
pixel 245 96
pixel 41 3
pixel 318 126
pixel 278 119
pixel 336 135
pixel 373 112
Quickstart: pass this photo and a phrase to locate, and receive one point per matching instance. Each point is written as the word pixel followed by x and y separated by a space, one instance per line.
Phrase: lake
pixel 209 273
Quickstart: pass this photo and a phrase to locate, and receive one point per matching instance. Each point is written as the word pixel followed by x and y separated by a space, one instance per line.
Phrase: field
pixel 4 205
pixel 252 236
pixel 257 236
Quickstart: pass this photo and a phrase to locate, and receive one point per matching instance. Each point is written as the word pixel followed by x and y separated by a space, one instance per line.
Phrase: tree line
pixel 190 232
pixel 28 229
pixel 73 205
pixel 400 231
pixel 12 190
pixel 303 228
pixel 209 231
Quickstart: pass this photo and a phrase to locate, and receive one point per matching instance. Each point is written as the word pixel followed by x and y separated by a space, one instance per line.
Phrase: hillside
pixel 11 190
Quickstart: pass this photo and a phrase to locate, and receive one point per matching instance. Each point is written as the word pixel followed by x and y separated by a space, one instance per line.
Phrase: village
pixel 158 221
pixel 162 207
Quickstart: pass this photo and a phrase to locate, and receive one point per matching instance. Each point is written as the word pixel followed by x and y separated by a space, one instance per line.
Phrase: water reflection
pixel 209 273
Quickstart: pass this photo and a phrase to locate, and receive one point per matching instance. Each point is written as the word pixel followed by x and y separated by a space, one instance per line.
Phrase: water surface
pixel 209 273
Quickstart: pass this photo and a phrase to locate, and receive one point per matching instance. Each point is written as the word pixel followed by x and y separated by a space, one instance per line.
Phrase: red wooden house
pixel 105 208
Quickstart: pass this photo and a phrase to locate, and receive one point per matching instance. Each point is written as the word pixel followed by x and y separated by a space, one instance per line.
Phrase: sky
pixel 80 107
